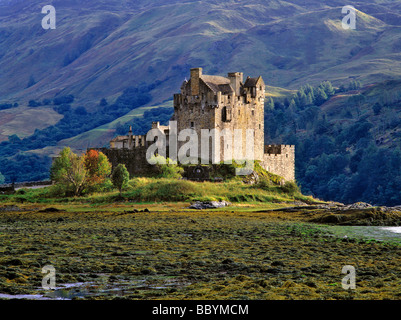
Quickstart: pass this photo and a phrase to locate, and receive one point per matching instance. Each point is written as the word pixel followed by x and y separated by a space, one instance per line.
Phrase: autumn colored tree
pixel 98 167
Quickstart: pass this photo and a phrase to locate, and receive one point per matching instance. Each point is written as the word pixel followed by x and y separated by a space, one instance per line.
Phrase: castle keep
pixel 213 102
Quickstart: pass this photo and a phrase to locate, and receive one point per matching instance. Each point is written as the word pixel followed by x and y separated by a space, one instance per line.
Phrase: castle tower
pixel 216 102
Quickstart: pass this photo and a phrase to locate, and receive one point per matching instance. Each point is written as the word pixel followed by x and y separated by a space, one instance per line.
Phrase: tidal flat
pixel 168 252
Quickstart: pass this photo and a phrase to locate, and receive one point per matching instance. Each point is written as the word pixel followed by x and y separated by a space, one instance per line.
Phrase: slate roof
pixel 217 83
pixel 251 82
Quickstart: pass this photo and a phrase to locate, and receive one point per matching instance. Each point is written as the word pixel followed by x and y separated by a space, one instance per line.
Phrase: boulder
pixel 208 205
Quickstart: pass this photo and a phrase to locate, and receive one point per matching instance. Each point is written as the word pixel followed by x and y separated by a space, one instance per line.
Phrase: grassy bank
pixel 170 190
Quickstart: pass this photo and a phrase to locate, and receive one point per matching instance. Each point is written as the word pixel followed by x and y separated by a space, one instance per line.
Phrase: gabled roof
pixel 217 83
pixel 251 82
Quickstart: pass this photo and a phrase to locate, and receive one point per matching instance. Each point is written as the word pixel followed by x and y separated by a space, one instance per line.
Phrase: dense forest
pixel 348 148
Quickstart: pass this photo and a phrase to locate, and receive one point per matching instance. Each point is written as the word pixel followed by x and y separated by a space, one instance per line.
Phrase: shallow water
pixel 69 291
pixel 393 229
pixel 391 234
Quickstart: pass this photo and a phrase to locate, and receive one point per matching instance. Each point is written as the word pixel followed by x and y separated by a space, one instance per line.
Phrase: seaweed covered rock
pixel 208 205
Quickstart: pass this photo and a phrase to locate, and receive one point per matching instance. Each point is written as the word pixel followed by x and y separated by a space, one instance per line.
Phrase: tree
pixel 120 177
pixel 97 166
pixel 327 88
pixel 270 104
pixel 320 96
pixel 69 171
pixel 377 107
pixel 103 102
pixel 1 178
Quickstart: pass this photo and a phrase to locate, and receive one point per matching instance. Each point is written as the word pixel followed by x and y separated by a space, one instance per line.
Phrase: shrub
pixel 290 187
pixel 120 177
pixel 167 168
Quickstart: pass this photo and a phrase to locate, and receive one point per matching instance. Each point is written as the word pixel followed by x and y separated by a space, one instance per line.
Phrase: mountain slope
pixel 107 46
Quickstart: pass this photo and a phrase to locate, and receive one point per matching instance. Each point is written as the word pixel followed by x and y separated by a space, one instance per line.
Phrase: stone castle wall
pixel 134 160
pixel 280 160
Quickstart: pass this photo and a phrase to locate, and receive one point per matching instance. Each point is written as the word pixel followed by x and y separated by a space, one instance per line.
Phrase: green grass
pixel 142 190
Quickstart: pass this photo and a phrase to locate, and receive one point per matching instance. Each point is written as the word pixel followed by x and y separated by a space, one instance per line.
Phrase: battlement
pixel 275 149
pixel 280 159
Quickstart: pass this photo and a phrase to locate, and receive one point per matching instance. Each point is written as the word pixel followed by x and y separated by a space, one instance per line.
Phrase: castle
pixel 213 102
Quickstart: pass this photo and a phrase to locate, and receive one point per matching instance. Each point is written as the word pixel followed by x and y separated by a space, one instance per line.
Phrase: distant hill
pixel 101 47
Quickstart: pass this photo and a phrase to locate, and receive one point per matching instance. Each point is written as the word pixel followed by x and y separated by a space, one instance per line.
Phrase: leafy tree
pixel 377 107
pixel 320 96
pixel 34 104
pixel 98 167
pixel 64 99
pixel 69 171
pixel 354 85
pixel 81 111
pixel 327 88
pixel 2 179
pixel 270 103
pixel 103 102
pixel 120 177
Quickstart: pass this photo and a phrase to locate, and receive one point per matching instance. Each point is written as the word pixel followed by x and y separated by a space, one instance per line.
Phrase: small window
pixel 253 112
pixel 192 125
pixel 239 112
pixel 224 114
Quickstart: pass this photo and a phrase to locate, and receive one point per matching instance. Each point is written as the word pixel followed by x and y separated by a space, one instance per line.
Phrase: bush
pixel 290 187
pixel 120 177
pixel 167 168
pixel 63 100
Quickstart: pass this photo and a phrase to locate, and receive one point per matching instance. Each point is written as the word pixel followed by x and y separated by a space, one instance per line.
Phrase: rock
pixel 50 210
pixel 252 178
pixel 199 205
pixel 358 205
pixel 10 208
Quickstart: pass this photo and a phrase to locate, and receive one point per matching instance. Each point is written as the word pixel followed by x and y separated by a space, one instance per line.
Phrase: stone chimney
pixel 130 140
pixel 235 81
pixel 196 73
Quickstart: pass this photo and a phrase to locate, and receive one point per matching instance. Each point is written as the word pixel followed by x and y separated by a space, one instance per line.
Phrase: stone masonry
pixel 214 102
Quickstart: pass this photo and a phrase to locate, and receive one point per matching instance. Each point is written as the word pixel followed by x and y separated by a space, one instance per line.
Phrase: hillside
pixel 111 45
pixel 348 147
